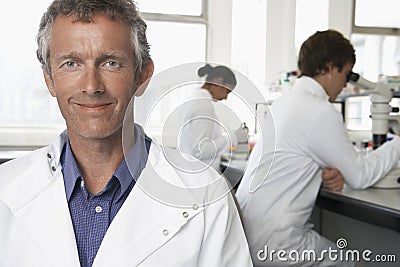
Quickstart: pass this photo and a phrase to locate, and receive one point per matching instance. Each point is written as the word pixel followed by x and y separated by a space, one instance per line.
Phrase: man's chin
pixel 96 133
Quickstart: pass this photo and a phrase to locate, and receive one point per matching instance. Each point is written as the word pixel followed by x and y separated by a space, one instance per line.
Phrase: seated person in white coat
pixel 303 134
pixel 80 201
pixel 201 135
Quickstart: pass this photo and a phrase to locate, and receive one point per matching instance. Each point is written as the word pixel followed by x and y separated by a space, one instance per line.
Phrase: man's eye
pixel 70 64
pixel 112 64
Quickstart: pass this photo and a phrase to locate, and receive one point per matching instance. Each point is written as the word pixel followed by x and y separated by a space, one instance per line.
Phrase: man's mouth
pixel 93 106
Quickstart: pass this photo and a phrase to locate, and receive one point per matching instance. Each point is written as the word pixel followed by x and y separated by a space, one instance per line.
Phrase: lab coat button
pixel 53 168
pixel 195 207
pixel 185 214
pixel 165 232
pixel 98 209
pixel 49 155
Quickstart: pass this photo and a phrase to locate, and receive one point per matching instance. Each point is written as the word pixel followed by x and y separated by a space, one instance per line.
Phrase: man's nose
pixel 92 81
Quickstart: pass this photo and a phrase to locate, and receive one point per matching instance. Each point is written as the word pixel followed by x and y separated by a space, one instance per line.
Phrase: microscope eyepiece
pixel 352 76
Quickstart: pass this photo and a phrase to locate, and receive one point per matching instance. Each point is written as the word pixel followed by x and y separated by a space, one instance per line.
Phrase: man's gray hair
pixel 84 11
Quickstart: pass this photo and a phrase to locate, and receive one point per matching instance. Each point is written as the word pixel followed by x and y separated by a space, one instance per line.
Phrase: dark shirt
pixel 92 214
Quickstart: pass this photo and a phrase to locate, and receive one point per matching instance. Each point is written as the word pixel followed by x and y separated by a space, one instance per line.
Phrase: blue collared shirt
pixel 92 214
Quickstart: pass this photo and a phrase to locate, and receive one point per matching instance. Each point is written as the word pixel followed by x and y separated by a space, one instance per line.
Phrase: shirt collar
pixel 70 169
pixel 125 173
pixel 310 85
pixel 131 168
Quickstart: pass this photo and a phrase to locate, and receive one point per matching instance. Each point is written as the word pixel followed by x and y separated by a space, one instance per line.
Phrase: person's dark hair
pixel 322 48
pixel 84 11
pixel 228 77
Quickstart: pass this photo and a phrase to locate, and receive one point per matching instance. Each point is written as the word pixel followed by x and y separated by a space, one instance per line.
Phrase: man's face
pixel 338 80
pixel 92 74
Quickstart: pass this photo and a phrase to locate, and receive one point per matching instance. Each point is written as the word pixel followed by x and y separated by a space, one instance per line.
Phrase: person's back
pixel 292 176
pixel 303 134
pixel 200 134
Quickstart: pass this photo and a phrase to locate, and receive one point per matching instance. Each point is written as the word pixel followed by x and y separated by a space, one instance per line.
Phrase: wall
pixel 340 16
pixel 280 49
pixel 219 31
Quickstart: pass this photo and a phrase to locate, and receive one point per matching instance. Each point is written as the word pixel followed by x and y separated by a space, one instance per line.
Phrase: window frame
pixel 355 29
pixel 367 30
pixel 190 19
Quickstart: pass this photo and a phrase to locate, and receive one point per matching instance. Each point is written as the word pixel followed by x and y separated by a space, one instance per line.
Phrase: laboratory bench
pixel 367 219
pixel 380 207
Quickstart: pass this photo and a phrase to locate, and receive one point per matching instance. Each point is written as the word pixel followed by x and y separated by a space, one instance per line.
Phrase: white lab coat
pixel 36 227
pixel 302 134
pixel 202 134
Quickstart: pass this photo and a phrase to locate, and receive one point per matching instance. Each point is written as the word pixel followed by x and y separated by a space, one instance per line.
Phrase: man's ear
pixel 49 83
pixel 144 78
pixel 330 66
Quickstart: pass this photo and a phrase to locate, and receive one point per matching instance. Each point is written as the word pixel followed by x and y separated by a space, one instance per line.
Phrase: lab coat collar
pixel 204 93
pixel 41 208
pixel 308 84
pixel 37 200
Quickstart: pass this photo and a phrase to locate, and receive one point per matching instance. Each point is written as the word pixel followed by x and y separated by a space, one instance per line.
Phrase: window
pixel 307 23
pixel 372 13
pixel 375 35
pixel 175 43
pixel 24 99
pixel 376 39
pixel 247 56
pixel 177 33
pixel 169 51
pixel 178 7
pixel 248 46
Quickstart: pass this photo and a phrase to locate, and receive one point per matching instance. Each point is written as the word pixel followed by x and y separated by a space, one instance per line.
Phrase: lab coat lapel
pixel 143 224
pixel 41 209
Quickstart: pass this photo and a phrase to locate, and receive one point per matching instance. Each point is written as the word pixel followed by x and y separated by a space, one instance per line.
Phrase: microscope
pixel 380 95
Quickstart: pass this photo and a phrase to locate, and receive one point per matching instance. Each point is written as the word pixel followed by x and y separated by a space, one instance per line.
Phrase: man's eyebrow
pixel 105 55
pixel 113 54
pixel 62 55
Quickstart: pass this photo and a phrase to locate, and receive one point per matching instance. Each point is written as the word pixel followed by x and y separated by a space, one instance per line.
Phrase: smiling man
pixel 80 201
pixel 92 75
